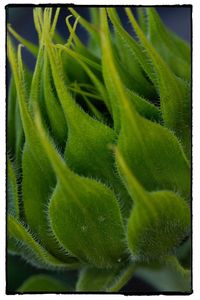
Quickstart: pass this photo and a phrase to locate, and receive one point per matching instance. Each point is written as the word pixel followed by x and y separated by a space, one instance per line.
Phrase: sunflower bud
pixel 98 173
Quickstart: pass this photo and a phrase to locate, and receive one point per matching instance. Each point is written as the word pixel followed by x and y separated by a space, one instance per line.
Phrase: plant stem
pixel 123 279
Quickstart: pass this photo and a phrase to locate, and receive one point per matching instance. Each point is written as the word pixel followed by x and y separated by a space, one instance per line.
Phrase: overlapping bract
pixel 98 172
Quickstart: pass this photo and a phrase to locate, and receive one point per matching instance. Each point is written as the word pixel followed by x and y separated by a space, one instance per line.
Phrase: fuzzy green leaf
pixel 88 139
pixel 72 70
pixel 26 77
pixel 166 37
pixel 30 46
pixel 82 149
pixel 42 283
pixel 89 214
pixel 94 111
pixel 94 19
pixel 159 220
pixel 90 62
pixel 175 98
pixel 11 117
pixel 87 90
pixel 19 137
pixel 130 69
pixel 92 29
pixel 36 95
pixel 87 25
pixel 97 83
pixel 38 175
pixel 108 79
pixel 54 111
pixel 14 124
pixel 31 250
pixel 12 188
pixel 134 47
pixel 142 106
pixel 137 83
pixel 149 155
pixel 142 19
pixel 173 54
pixel 141 140
pixel 78 46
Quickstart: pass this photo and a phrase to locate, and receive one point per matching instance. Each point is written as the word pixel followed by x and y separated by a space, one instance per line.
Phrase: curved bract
pixel 159 221
pixel 98 151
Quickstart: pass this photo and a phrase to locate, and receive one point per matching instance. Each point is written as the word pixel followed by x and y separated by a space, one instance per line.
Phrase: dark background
pixel 177 18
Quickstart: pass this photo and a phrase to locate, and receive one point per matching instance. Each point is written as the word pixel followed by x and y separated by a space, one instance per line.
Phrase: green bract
pixel 99 149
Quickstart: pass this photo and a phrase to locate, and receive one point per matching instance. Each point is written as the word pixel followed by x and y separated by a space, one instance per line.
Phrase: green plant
pixel 99 152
